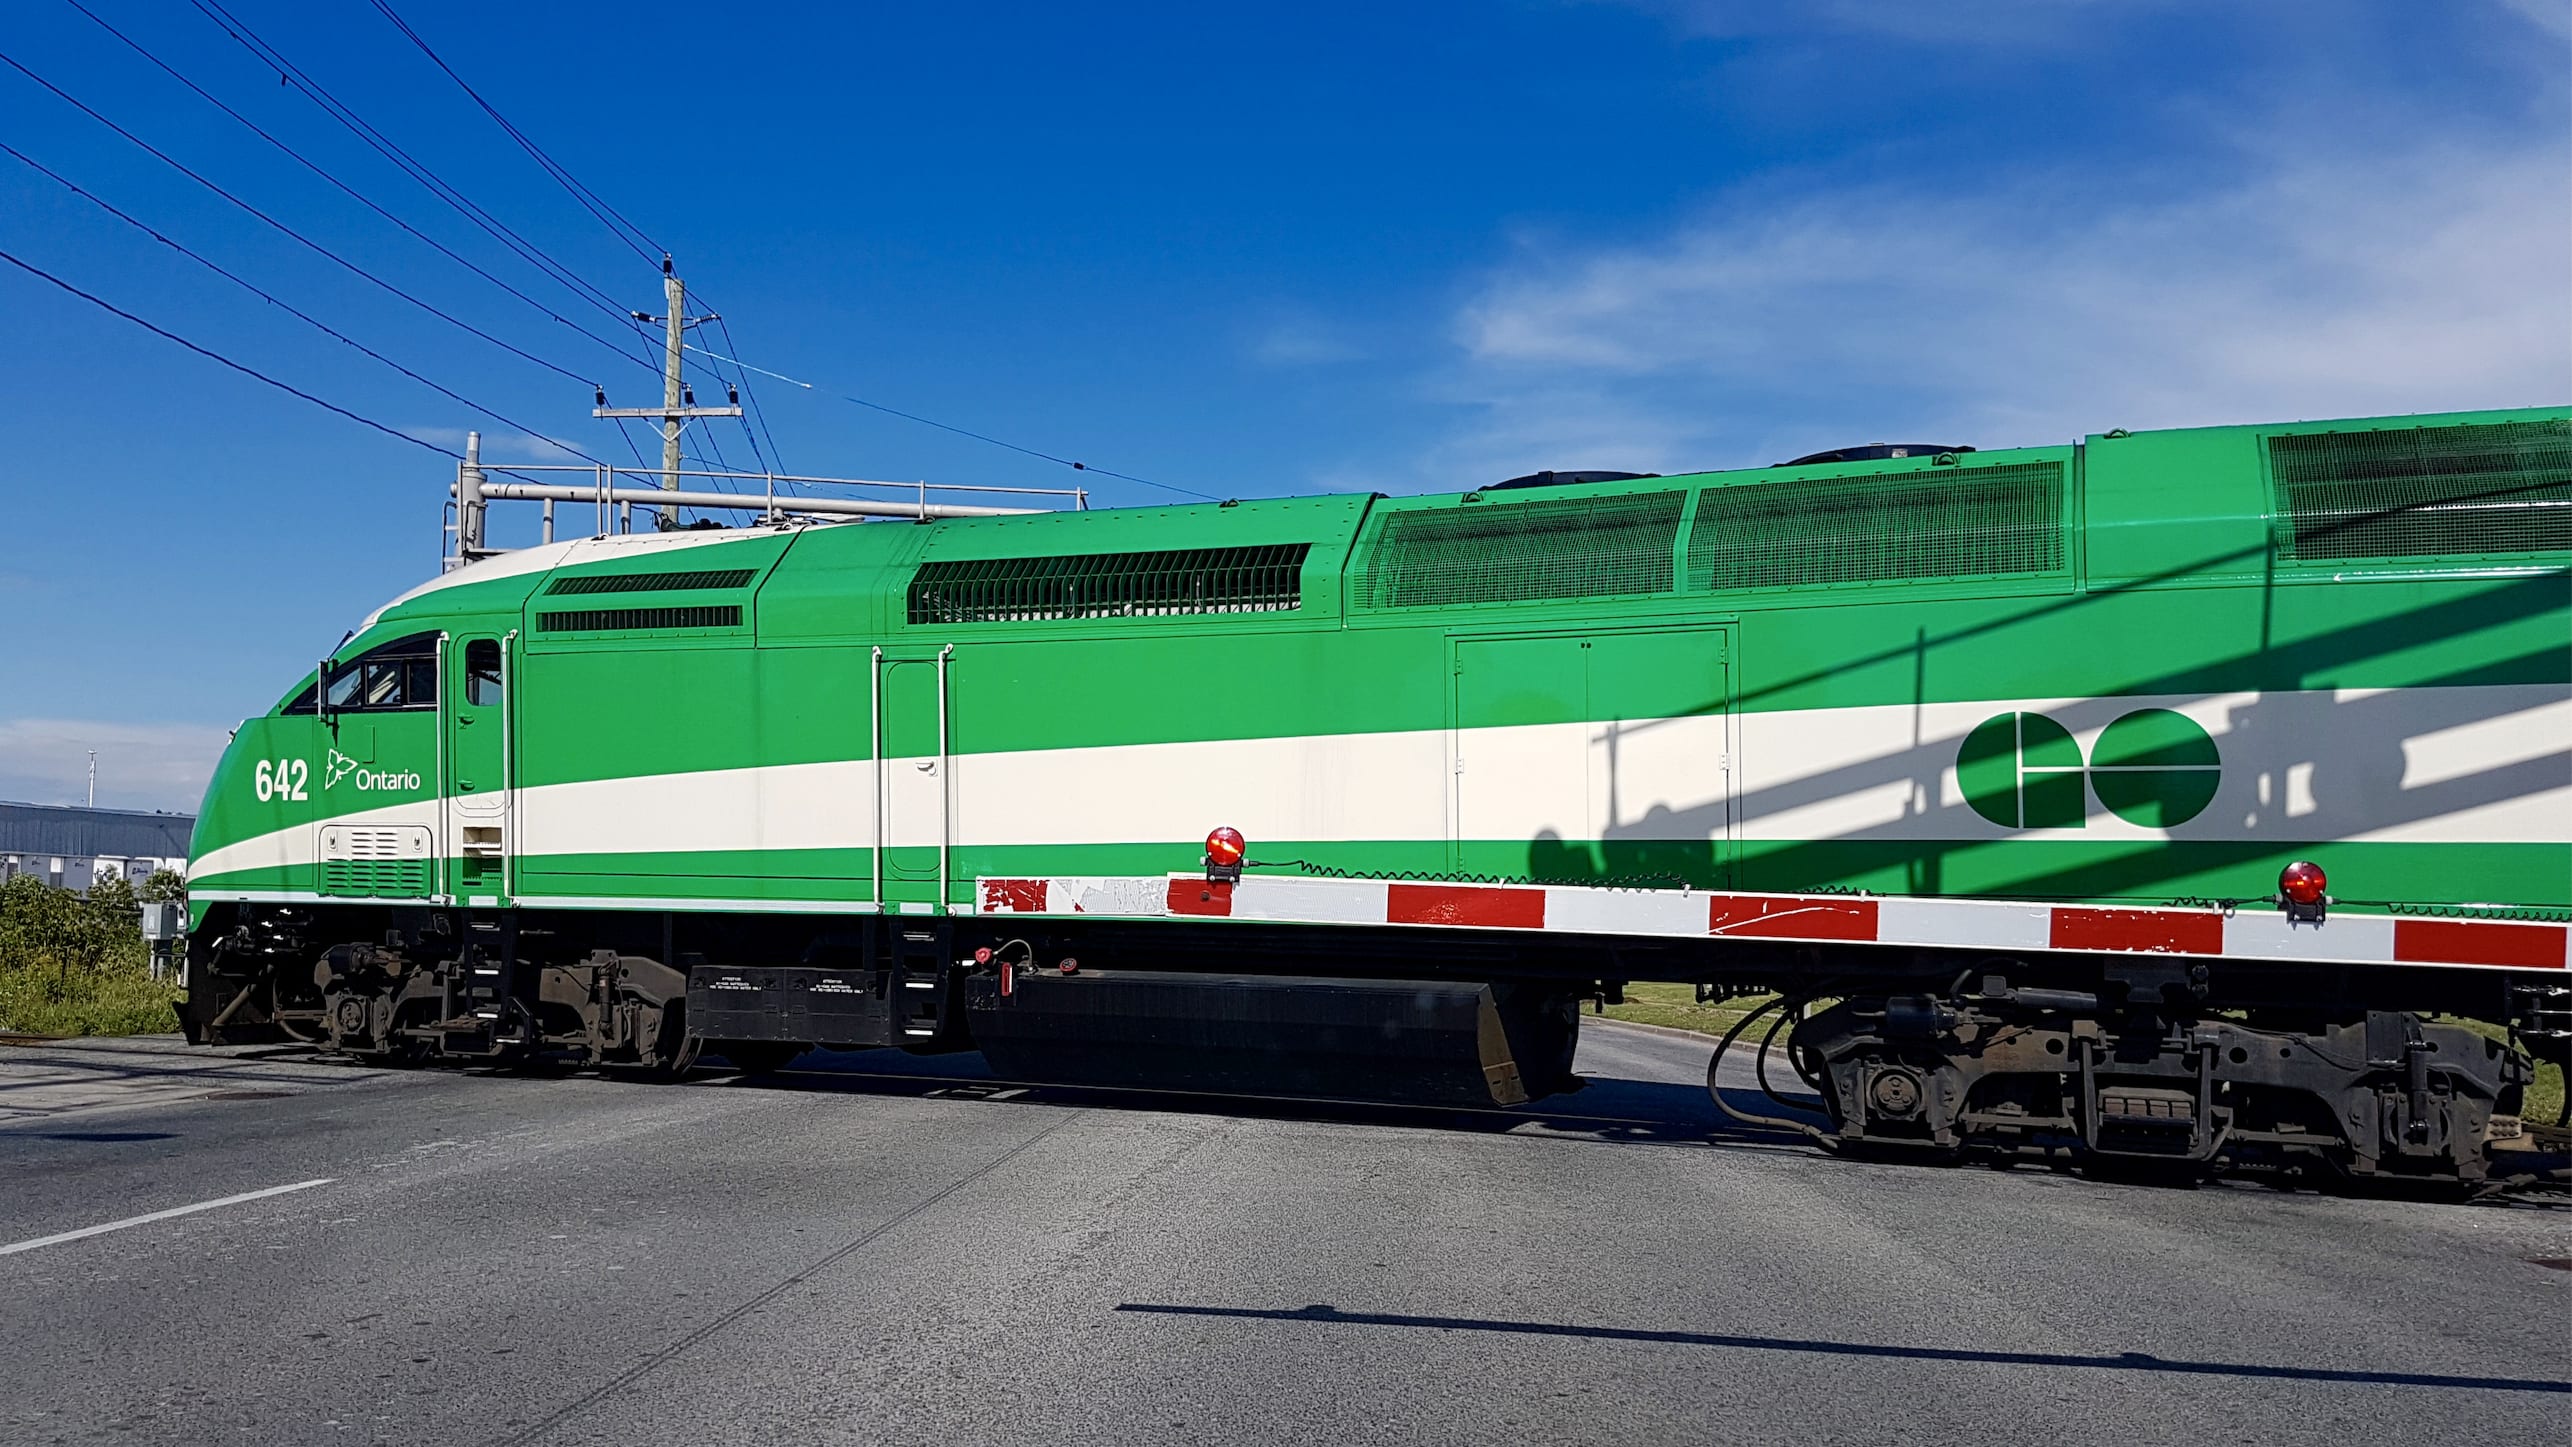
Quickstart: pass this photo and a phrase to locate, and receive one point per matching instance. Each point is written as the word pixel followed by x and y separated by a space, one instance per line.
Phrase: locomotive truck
pixel 2163 799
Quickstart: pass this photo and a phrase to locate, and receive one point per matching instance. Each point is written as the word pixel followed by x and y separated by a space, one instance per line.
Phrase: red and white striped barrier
pixel 2254 932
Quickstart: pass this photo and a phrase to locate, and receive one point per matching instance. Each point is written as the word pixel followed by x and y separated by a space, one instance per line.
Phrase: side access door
pixel 1599 755
pixel 915 807
pixel 478 820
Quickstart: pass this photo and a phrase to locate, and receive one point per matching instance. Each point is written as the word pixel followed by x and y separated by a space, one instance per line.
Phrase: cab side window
pixel 482 672
pixel 402 674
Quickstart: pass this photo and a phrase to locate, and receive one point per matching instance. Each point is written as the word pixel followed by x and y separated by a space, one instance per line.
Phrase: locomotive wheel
pixel 660 1070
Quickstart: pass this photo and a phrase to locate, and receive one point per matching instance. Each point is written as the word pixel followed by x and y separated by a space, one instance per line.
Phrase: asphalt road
pixel 880 1249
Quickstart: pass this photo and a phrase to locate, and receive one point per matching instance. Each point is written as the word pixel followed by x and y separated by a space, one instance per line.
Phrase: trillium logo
pixel 368 780
pixel 2153 768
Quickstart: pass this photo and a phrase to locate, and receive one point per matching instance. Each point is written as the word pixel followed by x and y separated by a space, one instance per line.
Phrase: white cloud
pixel 140 766
pixel 2554 16
pixel 2313 286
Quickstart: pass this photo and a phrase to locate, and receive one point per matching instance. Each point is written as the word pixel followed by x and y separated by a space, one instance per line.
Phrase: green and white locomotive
pixel 2143 798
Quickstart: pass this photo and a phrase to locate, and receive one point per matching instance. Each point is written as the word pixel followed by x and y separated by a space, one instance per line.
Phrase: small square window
pixel 482 670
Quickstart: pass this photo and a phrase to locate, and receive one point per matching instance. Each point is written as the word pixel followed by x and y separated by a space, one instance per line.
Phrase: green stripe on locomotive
pixel 1759 679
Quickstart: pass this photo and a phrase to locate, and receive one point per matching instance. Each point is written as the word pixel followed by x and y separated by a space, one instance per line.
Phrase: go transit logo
pixel 341 766
pixel 2153 768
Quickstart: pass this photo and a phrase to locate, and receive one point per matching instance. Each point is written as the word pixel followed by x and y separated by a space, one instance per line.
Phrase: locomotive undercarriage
pixel 1999 1073
pixel 2139 1067
pixel 512 988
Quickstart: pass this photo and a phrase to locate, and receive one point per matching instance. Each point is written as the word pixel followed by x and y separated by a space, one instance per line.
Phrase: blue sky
pixel 1322 247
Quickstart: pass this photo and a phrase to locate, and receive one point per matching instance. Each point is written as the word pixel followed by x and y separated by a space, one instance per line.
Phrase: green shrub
pixel 75 966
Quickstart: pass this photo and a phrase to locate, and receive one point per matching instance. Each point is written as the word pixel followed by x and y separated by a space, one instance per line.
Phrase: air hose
pixel 1771 1122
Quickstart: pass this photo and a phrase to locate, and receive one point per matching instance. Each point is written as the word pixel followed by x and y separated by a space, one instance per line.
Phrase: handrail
pixel 439 893
pixel 613 471
pixel 875 753
pixel 463 522
pixel 492 492
pixel 946 781
pixel 508 773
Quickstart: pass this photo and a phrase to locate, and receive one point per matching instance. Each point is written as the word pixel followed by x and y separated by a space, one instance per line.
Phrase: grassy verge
pixel 1676 1006
pixel 115 999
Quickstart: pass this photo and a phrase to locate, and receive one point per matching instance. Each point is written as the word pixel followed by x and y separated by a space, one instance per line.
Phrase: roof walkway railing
pixel 613 500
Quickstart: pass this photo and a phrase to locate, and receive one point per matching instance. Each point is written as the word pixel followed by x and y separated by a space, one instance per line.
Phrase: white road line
pixel 145 1220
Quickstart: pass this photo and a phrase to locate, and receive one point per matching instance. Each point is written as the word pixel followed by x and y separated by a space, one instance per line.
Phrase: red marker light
pixel 1225 848
pixel 982 955
pixel 2302 882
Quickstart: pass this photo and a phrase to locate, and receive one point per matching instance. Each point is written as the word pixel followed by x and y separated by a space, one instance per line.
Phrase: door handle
pixel 928 766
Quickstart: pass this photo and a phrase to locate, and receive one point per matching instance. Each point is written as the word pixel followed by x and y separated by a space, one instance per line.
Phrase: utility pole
pixel 674 299
pixel 678 402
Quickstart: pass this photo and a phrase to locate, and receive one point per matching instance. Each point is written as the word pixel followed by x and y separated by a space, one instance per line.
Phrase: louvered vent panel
pixel 1967 522
pixel 601 620
pixel 651 582
pixel 379 878
pixel 2464 491
pixel 1607 547
pixel 1262 579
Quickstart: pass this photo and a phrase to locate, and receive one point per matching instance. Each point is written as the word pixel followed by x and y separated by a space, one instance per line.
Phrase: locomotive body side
pixel 2181 711
pixel 544 802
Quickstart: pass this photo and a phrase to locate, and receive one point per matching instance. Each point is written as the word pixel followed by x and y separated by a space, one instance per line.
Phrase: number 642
pixel 279 779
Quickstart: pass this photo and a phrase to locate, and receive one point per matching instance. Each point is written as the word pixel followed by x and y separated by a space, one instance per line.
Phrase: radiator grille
pixel 380 878
pixel 1970 522
pixel 2470 490
pixel 651 582
pixel 1510 552
pixel 600 620
pixel 1260 579
pixel 386 861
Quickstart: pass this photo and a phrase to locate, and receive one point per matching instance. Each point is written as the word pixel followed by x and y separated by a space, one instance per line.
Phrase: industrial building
pixel 72 848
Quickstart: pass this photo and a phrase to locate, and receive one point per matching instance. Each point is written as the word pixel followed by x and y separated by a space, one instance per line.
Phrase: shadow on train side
pixel 2341 796
pixel 1813 1346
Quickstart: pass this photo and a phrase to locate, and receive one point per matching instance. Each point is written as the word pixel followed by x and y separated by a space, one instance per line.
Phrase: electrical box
pixel 165 920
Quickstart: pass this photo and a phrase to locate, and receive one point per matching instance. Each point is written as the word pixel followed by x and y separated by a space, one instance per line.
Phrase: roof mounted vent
pixel 1618 546
pixel 2474 489
pixel 1561 479
pixel 1875 452
pixel 1263 578
pixel 1996 520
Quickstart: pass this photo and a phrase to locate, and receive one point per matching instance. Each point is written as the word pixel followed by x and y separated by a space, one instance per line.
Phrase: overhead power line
pixel 352 192
pixel 644 246
pixel 608 216
pixel 211 355
pixel 769 457
pixel 959 431
pixel 166 159
pixel 436 185
pixel 756 411
pixel 287 307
